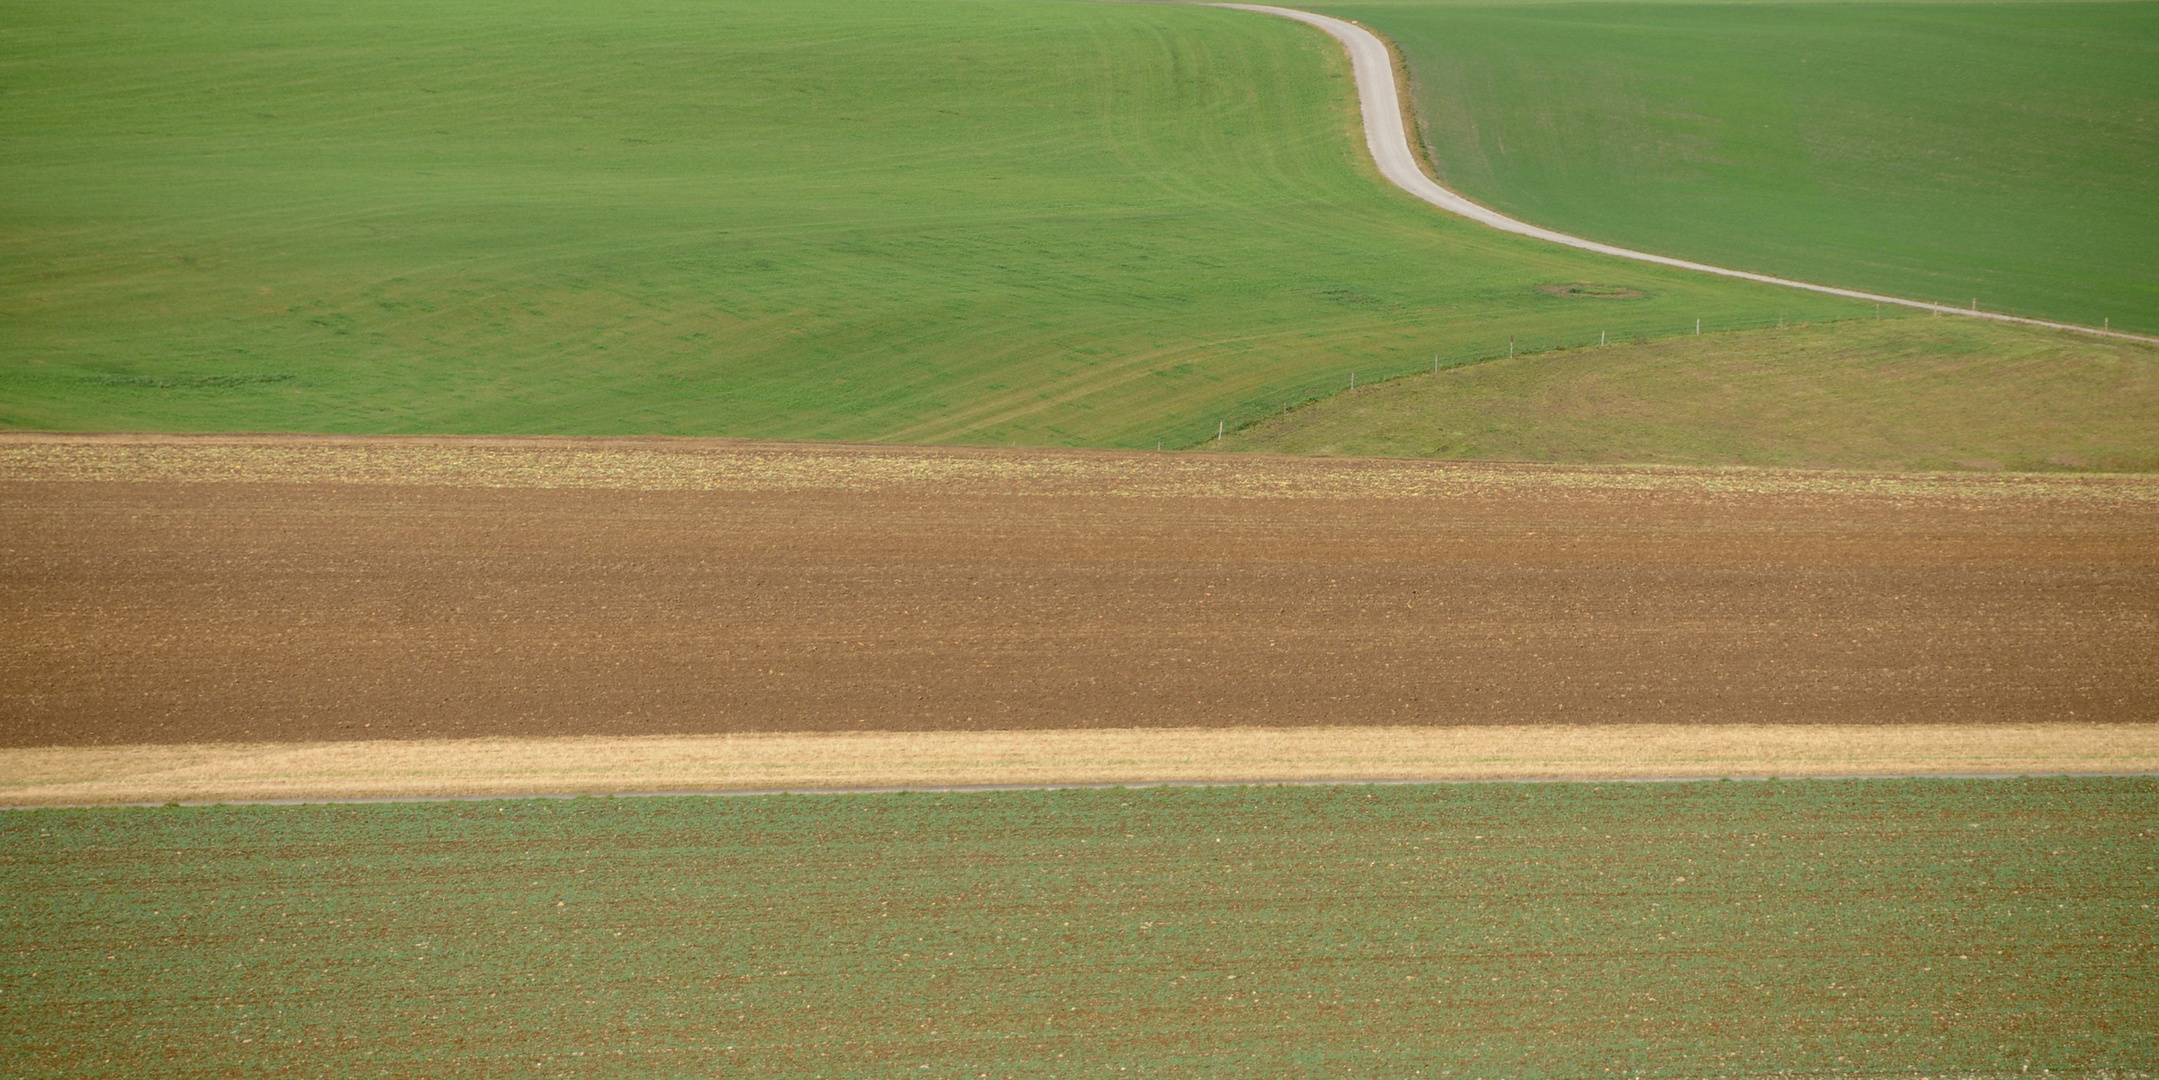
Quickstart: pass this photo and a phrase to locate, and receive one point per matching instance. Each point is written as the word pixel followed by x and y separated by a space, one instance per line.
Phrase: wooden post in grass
pixel 1510 345
pixel 1219 427
pixel 1600 337
pixel 1697 326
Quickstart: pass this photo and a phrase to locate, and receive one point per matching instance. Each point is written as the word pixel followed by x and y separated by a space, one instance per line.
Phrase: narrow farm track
pixel 857 762
pixel 1387 136
pixel 191 590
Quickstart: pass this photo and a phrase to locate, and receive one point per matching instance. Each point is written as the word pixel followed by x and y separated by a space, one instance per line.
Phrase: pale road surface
pixel 1388 138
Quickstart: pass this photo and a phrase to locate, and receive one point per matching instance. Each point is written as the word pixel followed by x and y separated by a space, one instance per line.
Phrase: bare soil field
pixel 193 590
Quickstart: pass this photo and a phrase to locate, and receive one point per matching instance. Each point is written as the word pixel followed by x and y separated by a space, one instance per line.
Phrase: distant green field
pixel 1926 394
pixel 1811 928
pixel 1002 221
pixel 2003 152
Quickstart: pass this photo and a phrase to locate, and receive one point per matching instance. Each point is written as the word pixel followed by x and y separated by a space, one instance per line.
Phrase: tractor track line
pixel 1388 139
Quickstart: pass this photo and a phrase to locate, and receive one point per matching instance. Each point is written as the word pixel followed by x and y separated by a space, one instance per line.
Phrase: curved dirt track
pixel 1385 133
pixel 233 590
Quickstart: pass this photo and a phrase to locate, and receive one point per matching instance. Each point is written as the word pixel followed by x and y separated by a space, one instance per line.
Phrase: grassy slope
pixel 1944 151
pixel 1799 928
pixel 1899 394
pixel 1028 222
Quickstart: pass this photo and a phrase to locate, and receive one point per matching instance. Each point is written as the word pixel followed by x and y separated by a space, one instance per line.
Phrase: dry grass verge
pixel 216 772
pixel 1925 394
pixel 738 466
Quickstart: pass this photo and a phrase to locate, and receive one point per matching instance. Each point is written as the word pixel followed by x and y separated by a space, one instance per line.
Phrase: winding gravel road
pixel 1388 138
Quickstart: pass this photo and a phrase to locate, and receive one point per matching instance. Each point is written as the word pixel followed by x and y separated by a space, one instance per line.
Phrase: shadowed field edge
pixel 65 776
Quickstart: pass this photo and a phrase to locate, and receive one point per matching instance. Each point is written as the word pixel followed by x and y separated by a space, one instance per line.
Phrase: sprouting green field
pixel 1000 221
pixel 1926 394
pixel 2003 152
pixel 1811 928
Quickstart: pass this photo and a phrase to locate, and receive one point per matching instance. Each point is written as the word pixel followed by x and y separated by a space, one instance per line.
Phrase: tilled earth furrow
pixel 202 611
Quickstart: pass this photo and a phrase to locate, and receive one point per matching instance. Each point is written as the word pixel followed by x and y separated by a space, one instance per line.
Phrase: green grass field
pixel 1928 394
pixel 999 221
pixel 2007 152
pixel 1808 928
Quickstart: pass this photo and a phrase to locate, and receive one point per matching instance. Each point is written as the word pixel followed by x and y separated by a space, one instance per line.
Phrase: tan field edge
pixel 50 776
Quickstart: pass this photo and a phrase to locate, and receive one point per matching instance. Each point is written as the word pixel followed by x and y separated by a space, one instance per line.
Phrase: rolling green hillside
pixel 1003 221
pixel 1928 394
pixel 2003 152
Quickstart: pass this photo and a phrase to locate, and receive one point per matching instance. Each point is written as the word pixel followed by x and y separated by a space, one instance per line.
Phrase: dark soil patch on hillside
pixel 1593 291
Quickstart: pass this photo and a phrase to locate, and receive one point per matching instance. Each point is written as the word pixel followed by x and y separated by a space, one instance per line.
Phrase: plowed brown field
pixel 216 589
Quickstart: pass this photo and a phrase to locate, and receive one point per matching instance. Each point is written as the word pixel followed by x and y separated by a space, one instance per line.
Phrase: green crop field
pixel 1926 394
pixel 1810 928
pixel 2003 152
pixel 999 221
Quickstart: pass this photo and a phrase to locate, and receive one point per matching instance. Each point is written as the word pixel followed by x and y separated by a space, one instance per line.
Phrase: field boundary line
pixel 1106 785
pixel 858 761
pixel 1386 135
pixel 700 464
